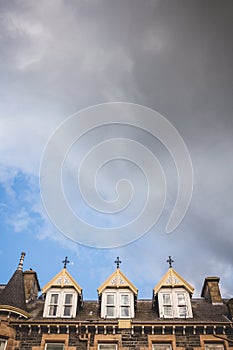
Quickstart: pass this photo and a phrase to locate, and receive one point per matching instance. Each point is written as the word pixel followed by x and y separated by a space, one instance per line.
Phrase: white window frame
pixel 67 305
pixel 177 305
pixel 46 345
pixel 118 303
pixel 62 292
pixel 166 346
pixel 124 306
pixel 105 346
pixel 110 305
pixel 3 343
pixel 167 305
pixel 216 346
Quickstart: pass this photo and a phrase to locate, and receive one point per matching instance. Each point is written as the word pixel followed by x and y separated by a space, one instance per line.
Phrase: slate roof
pixel 203 312
pixel 14 293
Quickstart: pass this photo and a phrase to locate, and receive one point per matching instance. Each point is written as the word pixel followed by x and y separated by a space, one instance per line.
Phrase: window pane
pixel 162 347
pixel 125 311
pixel 166 299
pixel 68 298
pixel 2 344
pixel 54 299
pixel 54 346
pixel 181 299
pixel 125 299
pixel 110 311
pixel 53 310
pixel 110 299
pixel 67 311
pixel 214 347
pixel 182 311
pixel 107 347
pixel 167 310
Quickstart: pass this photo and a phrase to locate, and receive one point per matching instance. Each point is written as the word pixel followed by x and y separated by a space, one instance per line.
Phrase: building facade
pixel 61 320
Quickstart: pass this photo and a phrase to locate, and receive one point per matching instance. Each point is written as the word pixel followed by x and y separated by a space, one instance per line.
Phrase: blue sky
pixel 60 57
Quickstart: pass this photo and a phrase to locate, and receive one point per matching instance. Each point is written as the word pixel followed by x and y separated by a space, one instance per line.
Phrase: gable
pixel 61 280
pixel 173 279
pixel 117 280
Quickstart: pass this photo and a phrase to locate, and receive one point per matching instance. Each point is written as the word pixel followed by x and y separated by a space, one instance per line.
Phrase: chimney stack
pixel 31 285
pixel 211 291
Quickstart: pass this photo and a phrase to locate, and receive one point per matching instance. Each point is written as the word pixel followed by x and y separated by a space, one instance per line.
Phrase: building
pixel 61 320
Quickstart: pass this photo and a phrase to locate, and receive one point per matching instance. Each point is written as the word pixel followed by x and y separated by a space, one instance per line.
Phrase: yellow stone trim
pixel 173 274
pixel 116 274
pixel 205 339
pixel 9 308
pixel 64 338
pixel 162 339
pixel 124 324
pixel 107 338
pixel 62 274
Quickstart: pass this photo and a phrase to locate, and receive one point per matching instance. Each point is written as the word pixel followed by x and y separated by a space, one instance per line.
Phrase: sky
pixel 61 57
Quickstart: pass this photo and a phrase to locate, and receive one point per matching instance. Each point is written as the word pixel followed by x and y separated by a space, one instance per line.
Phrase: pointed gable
pixel 117 280
pixel 172 279
pixel 61 280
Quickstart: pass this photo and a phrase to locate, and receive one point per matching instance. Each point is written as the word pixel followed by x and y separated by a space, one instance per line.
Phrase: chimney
pixel 31 285
pixel 211 291
pixel 230 308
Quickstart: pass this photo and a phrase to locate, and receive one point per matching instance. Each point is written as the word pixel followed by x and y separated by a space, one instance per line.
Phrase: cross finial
pixel 65 262
pixel 117 262
pixel 170 261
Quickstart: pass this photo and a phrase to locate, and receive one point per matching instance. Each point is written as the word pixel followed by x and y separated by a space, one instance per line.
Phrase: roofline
pixel 73 322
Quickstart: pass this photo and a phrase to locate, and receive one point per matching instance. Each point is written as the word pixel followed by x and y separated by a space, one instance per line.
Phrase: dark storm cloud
pixel 173 56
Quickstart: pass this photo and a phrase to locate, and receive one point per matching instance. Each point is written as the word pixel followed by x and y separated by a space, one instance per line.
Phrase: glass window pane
pixel 167 310
pixel 67 311
pixel 182 311
pixel 107 347
pixel 54 346
pixel 162 347
pixel 110 299
pixel 110 311
pixel 181 299
pixel 54 299
pixel 214 347
pixel 124 311
pixel 68 298
pixel 124 299
pixel 166 299
pixel 53 310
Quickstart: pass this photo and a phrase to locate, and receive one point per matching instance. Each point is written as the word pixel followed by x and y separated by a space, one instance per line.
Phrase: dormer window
pixel 60 303
pixel 173 295
pixel 117 304
pixel 174 302
pixel 62 295
pixel 117 295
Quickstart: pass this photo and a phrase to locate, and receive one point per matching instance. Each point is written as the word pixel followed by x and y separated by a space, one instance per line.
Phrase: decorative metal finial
pixel 20 266
pixel 117 262
pixel 65 262
pixel 170 261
